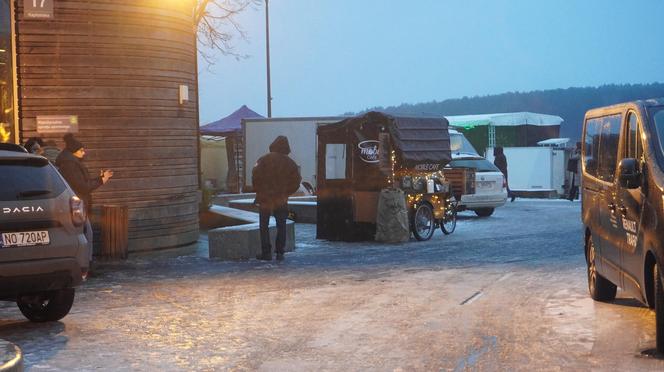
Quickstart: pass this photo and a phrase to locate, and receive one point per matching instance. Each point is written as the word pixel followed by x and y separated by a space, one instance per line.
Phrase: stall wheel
pixel 448 225
pixel 423 223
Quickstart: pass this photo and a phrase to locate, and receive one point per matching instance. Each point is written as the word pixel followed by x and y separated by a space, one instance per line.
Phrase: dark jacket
pixel 275 176
pixel 77 176
pixel 500 161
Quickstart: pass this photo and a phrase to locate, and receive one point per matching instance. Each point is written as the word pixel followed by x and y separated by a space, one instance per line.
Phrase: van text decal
pixel 630 231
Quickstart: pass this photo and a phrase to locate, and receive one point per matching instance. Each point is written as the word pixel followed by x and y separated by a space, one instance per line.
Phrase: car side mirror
pixel 629 174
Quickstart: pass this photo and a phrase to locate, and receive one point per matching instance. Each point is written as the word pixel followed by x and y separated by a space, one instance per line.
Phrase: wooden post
pixel 114 231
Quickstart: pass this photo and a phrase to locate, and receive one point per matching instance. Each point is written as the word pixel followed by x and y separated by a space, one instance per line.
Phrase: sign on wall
pixel 38 9
pixel 57 124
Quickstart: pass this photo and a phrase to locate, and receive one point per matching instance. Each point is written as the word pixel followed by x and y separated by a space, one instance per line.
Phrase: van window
pixel 633 146
pixel 658 118
pixel 591 148
pixel 601 146
pixel 609 140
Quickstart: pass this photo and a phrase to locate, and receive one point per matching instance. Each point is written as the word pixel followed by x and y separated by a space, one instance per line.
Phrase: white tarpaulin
pixel 504 119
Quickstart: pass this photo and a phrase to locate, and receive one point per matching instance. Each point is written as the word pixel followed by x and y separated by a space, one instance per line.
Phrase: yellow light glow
pixel 5 135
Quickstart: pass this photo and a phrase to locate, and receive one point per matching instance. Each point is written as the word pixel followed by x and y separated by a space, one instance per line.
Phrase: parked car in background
pixel 490 186
pixel 43 251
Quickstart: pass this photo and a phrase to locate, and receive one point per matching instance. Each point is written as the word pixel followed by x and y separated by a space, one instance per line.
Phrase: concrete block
pixel 241 242
pixel 304 210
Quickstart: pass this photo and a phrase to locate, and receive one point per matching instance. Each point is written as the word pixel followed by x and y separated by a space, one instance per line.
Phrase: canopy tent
pixel 511 129
pixel 230 125
pixel 504 119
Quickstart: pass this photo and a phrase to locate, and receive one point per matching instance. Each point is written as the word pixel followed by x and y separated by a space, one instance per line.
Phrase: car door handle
pixel 612 208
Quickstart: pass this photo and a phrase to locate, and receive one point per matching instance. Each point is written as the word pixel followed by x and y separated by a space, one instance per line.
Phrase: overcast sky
pixel 329 57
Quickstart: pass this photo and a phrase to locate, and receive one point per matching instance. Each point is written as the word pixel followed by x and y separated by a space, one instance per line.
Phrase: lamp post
pixel 267 47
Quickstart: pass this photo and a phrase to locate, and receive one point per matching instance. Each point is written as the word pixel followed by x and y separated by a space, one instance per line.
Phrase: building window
pixel 7 114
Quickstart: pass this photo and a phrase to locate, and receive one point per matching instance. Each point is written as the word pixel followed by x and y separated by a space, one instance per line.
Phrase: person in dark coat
pixel 500 161
pixel 35 145
pixel 274 178
pixel 70 164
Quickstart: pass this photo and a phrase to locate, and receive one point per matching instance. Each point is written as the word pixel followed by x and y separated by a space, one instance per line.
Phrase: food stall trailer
pixel 360 156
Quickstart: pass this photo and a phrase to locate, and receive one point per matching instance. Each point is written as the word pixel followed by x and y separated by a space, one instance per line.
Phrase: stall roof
pixel 231 124
pixel 504 119
pixel 417 139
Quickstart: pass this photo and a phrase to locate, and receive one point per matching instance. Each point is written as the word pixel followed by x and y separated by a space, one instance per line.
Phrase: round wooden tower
pixel 121 75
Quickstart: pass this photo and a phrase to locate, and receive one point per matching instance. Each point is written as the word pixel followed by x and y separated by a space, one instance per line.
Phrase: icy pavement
pixel 506 292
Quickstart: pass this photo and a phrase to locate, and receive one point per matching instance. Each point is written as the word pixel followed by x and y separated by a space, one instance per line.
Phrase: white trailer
pixel 534 169
pixel 301 132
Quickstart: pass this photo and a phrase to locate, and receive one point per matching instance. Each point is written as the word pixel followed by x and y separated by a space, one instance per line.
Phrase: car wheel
pixel 599 287
pixel 448 225
pixel 422 222
pixel 47 306
pixel 483 212
pixel 659 310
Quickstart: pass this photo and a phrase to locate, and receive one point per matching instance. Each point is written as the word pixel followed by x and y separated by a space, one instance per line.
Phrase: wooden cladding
pixel 118 66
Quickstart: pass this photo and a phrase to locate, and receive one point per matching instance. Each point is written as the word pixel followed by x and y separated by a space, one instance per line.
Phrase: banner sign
pixel 57 124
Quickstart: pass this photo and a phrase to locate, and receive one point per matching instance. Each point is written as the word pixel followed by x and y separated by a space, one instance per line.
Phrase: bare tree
pixel 218 27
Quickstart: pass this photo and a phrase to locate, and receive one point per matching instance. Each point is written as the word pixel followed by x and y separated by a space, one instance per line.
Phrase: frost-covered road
pixel 502 293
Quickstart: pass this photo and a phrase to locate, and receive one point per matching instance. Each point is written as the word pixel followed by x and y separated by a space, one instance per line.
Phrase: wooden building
pixel 121 75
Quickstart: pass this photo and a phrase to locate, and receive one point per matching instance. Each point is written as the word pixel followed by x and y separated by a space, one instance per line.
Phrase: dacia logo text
pixel 6 210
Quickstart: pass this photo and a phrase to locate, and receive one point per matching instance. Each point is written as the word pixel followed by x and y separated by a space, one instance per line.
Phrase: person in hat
pixel 35 145
pixel 70 164
pixel 274 178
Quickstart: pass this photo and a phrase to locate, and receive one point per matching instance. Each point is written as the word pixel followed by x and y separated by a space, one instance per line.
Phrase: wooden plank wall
pixel 118 65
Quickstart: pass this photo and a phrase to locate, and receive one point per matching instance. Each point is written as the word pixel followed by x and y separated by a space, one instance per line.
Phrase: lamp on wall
pixel 184 94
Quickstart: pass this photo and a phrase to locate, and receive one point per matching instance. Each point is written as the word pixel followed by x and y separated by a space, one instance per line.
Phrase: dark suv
pixel 43 251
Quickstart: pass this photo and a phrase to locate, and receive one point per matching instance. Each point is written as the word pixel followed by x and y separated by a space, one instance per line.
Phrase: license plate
pixel 485 184
pixel 25 239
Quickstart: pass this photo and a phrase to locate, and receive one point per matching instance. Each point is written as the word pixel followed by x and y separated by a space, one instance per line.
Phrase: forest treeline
pixel 571 104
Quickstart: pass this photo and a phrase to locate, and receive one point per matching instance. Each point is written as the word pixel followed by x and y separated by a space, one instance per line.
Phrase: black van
pixel 623 203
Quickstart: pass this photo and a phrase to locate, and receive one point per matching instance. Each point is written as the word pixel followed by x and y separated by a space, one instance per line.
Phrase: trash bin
pixel 114 231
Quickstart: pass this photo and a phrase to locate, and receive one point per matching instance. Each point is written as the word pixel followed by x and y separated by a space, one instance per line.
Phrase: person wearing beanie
pixel 70 164
pixel 34 145
pixel 274 178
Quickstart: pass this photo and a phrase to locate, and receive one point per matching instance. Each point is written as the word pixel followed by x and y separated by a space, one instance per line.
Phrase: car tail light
pixel 504 183
pixel 77 212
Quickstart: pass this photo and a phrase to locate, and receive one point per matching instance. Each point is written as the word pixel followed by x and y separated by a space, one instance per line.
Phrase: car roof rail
pixel 12 147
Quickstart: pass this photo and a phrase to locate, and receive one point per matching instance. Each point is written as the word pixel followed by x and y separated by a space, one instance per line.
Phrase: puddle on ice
pixel 572 318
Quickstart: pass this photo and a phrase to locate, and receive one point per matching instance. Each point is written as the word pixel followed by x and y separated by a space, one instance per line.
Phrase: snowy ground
pixel 506 292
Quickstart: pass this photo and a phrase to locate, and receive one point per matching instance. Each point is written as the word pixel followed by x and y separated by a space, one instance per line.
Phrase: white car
pixel 490 187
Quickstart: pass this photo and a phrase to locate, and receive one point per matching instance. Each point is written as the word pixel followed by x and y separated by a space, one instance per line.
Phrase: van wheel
pixel 423 224
pixel 599 287
pixel 483 212
pixel 47 306
pixel 659 310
